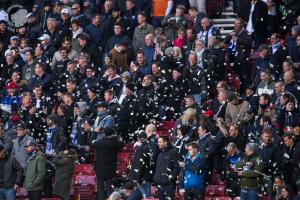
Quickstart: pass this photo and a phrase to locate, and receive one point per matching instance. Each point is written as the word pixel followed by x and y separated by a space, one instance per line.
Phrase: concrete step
pixel 224 25
pixel 223 21
pixel 225 32
pixel 229 13
pixel 230 9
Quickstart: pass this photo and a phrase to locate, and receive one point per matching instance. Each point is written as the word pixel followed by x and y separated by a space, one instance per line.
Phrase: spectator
pixel 290 160
pixel 55 138
pixel 167 169
pixel 12 174
pixel 256 14
pixel 173 23
pixel 96 31
pixel 5 140
pixel 249 169
pixel 64 163
pixel 232 158
pixel 141 168
pixel 236 108
pixel 17 150
pixel 106 152
pixel 207 30
pixel 36 171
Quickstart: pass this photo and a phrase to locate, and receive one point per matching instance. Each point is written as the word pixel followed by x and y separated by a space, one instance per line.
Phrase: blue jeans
pixel 142 191
pixel 8 194
pixel 249 194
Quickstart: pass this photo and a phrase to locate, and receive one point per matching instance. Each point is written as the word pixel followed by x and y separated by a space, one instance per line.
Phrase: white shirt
pixel 250 24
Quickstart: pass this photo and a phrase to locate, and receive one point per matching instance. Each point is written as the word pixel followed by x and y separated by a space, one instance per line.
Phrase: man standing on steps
pixel 241 40
pixel 256 15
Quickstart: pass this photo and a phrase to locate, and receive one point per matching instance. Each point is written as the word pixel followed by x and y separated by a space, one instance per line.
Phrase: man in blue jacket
pixel 193 180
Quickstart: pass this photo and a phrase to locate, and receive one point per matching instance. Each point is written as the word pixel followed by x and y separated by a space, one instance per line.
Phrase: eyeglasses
pixel 75 8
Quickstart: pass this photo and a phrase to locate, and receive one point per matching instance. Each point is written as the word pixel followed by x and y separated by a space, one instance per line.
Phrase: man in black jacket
pixel 106 153
pixel 257 17
pixel 11 174
pixel 167 169
pixel 243 41
pixel 90 49
pixel 141 172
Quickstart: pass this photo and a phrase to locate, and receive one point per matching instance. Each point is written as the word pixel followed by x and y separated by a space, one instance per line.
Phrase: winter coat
pixel 251 178
pixel 286 118
pixel 195 80
pixel 141 166
pixel 116 39
pixel 171 26
pixel 64 164
pixel 58 139
pixel 236 113
pixel 259 17
pixel 94 54
pixel 35 173
pixel 194 172
pixel 19 152
pixel 13 173
pixel 167 167
pixel 127 114
pixel 45 81
pixel 72 55
pixel 270 155
pixel 262 64
pixel 106 153
pixel 97 34
pixel 139 36
pixel 7 142
pixel 119 59
pixel 207 148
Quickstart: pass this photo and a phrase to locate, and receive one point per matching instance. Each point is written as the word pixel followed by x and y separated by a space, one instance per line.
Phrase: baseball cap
pixel 65 11
pixel 12 85
pixel 125 74
pixel 44 37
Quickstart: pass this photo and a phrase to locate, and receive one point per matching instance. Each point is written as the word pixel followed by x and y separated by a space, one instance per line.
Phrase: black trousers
pixel 104 187
pixel 166 192
pixel 35 195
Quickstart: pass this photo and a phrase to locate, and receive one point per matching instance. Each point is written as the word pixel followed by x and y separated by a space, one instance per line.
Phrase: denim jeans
pixel 8 194
pixel 249 194
pixel 142 191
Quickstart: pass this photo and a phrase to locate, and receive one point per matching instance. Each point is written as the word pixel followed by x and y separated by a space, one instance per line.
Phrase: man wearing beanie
pixel 249 170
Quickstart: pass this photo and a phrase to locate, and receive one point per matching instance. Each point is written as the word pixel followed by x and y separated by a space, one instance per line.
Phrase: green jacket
pixel 251 178
pixel 35 173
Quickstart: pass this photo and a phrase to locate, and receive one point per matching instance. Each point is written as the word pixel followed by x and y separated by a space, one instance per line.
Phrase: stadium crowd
pixel 82 79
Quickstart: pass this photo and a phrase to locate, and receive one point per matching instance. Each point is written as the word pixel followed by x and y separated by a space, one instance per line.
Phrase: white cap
pixel 44 37
pixel 65 11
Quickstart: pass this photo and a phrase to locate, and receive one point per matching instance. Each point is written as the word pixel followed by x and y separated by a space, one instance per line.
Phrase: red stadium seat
pixel 215 191
pixel 218 198
pixel 124 159
pixel 84 169
pixel 21 192
pixel 83 180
